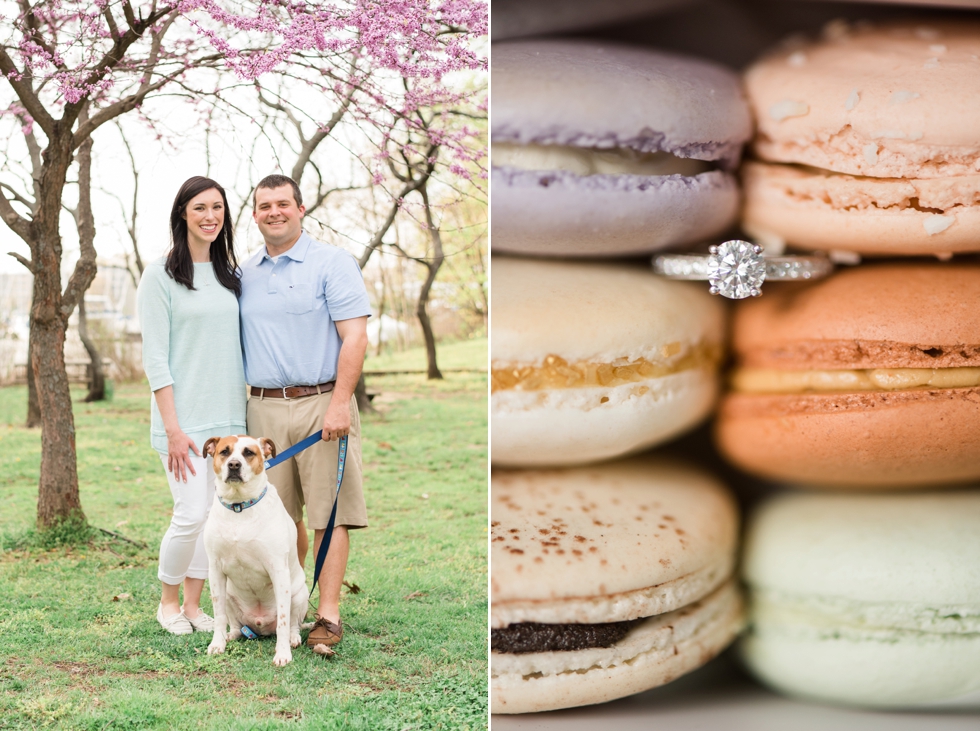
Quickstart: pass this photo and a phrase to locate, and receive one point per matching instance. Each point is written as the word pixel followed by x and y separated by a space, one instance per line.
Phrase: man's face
pixel 279 218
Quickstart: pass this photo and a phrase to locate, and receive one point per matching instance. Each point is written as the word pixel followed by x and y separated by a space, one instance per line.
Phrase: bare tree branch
pixel 396 205
pixel 31 20
pixel 113 28
pixel 85 267
pixel 132 101
pixel 113 58
pixel 26 262
pixel 309 146
pixel 25 93
pixel 17 197
pixel 17 223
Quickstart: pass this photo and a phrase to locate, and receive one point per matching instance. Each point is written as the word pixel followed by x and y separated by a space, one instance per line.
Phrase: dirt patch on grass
pixel 387 398
pixel 77 668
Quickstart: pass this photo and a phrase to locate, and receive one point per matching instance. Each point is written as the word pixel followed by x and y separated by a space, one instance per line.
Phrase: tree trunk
pixel 364 404
pixel 57 498
pixel 96 378
pixel 432 268
pixel 33 406
pixel 430 340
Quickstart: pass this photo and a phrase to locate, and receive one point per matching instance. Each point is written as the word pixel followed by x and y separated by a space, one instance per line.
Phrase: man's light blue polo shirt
pixel 288 310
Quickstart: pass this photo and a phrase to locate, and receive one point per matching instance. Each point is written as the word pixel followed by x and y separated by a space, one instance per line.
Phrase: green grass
pixel 414 649
pixel 461 354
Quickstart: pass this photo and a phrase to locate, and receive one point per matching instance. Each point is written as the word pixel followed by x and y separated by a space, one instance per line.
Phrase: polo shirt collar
pixel 297 252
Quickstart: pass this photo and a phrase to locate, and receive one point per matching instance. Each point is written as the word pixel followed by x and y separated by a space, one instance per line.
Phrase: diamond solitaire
pixel 736 269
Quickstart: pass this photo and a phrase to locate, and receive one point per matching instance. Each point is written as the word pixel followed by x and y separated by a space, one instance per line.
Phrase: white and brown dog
pixel 256 578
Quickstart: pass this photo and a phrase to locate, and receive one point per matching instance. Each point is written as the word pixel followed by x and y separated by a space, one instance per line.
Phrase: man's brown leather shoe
pixel 325 632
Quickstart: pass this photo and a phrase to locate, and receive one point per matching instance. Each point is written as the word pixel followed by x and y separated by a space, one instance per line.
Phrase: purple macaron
pixel 602 149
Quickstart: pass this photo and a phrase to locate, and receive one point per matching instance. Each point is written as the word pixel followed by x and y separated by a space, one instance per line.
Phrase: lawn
pixel 414 654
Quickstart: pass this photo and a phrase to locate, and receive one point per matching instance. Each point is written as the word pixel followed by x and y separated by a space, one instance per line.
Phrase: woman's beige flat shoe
pixel 175 624
pixel 203 622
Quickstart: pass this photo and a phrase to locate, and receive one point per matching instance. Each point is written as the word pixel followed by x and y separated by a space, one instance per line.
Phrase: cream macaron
pixel 591 361
pixel 869 141
pixel 867 600
pixel 606 581
pixel 604 149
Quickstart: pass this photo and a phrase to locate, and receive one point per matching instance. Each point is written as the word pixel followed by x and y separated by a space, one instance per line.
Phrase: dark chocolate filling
pixel 537 637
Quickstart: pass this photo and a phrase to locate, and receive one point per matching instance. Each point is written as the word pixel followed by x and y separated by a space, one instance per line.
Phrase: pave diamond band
pixel 737 269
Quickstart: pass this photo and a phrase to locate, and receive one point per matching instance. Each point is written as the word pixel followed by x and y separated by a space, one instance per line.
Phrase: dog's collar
pixel 239 507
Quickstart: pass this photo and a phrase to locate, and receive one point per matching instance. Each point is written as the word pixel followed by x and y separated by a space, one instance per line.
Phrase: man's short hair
pixel 277 181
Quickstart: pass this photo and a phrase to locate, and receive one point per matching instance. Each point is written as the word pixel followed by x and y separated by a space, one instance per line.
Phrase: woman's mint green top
pixel 191 341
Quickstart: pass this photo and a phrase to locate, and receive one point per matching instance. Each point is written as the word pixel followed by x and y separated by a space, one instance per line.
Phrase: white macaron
pixel 591 361
pixel 867 600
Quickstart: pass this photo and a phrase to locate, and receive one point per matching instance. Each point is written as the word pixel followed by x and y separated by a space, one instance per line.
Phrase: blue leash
pixel 295 449
pixel 321 555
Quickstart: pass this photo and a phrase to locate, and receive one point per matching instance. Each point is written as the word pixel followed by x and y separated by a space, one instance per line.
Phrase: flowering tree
pixel 440 144
pixel 67 67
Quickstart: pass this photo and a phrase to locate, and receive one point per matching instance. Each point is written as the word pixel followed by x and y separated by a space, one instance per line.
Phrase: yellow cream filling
pixel 593 161
pixel 762 380
pixel 556 372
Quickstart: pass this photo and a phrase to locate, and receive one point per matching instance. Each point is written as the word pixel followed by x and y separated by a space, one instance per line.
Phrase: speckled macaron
pixel 606 581
pixel 599 149
pixel 867 600
pixel 870 379
pixel 869 141
pixel 591 361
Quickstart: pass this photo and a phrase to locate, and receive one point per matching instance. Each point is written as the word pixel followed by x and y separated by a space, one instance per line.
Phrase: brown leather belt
pixel 293 391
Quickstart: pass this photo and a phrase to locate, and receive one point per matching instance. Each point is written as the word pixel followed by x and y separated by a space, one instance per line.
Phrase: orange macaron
pixel 870 379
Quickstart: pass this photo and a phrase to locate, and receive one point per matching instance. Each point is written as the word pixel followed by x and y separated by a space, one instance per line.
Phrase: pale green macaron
pixel 867 600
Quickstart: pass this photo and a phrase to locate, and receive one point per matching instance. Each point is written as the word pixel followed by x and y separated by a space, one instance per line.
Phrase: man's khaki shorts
pixel 310 477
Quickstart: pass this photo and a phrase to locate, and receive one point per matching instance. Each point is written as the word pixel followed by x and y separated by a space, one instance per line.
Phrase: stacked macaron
pixel 616 577
pixel 868 142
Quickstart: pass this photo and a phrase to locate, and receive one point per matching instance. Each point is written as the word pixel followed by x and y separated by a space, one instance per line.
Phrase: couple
pixel 291 322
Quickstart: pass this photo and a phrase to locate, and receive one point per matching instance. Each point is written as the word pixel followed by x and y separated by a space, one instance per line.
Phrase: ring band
pixel 736 269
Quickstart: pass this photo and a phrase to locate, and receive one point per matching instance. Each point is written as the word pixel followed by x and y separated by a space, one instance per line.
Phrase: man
pixel 304 313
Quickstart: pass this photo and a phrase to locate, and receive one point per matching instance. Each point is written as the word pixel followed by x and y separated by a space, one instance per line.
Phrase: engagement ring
pixel 737 269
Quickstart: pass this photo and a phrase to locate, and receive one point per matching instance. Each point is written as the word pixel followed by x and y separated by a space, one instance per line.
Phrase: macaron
pixel 868 141
pixel 866 600
pixel 870 378
pixel 517 18
pixel 606 581
pixel 601 149
pixel 591 361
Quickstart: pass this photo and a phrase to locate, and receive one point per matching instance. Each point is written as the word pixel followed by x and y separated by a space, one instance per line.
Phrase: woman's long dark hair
pixel 180 266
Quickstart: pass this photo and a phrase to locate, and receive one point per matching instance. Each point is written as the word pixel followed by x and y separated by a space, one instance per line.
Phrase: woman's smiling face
pixel 205 215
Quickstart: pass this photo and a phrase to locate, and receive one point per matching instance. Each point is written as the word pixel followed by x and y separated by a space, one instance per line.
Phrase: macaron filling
pixel 765 380
pixel 556 372
pixel 585 161
pixel 841 191
pixel 678 636
pixel 539 637
pixel 828 614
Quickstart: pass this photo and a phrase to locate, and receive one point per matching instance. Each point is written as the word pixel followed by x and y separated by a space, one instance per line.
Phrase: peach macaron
pixel 870 378
pixel 868 141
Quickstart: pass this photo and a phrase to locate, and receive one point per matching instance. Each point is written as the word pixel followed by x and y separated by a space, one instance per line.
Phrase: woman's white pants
pixel 182 553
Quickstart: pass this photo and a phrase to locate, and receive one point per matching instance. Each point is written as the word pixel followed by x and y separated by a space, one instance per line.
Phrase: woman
pixel 188 309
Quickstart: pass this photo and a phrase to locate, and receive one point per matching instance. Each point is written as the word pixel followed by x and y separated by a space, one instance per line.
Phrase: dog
pixel 256 577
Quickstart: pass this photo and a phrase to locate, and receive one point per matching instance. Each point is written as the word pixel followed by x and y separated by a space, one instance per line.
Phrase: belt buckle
pixel 284 396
